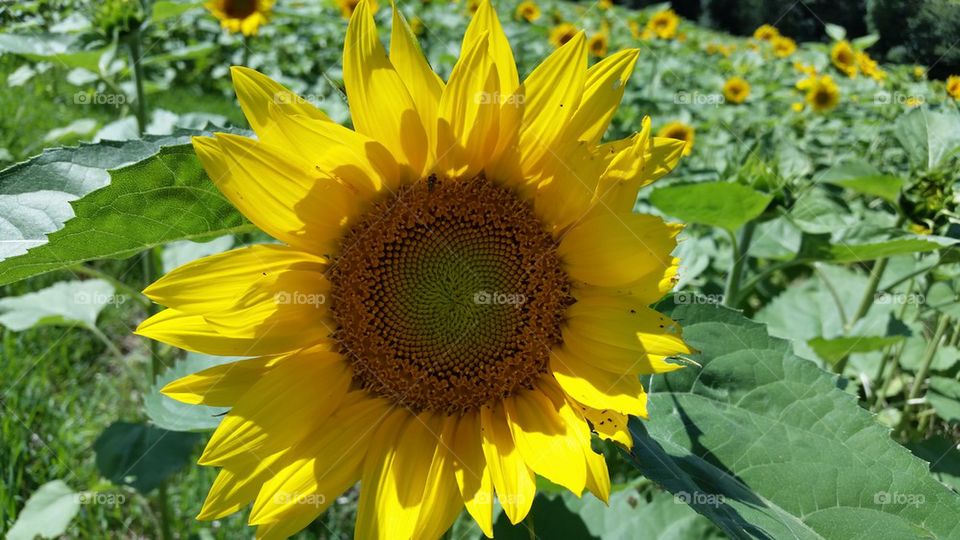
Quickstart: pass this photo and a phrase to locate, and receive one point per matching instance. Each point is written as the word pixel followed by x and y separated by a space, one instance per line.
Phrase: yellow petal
pixel 609 249
pixel 441 498
pixel 598 388
pixel 192 332
pixel 610 425
pixel 394 476
pixel 217 282
pixel 238 483
pixel 485 21
pixel 633 163
pixel 468 125
pixel 278 192
pixel 220 386
pixel 602 92
pixel 545 441
pixel 470 468
pixel 551 95
pixel 329 462
pixel 424 85
pixel 598 477
pixel 621 335
pixel 333 150
pixel 302 391
pixel 515 483
pixel 380 105
pixel 256 92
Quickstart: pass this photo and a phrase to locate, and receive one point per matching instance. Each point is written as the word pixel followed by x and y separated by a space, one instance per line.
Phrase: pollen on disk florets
pixel 448 295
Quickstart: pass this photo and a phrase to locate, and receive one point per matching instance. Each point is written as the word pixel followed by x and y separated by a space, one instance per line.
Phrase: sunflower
pixel 844 58
pixel 919 72
pixel 869 67
pixel 458 299
pixel 797 106
pixel 528 11
pixel 766 32
pixel 783 46
pixel 953 86
pixel 822 93
pixel 663 24
pixel 347 7
pixel 597 44
pixel 562 33
pixel 736 90
pixel 679 131
pixel 605 5
pixel 244 16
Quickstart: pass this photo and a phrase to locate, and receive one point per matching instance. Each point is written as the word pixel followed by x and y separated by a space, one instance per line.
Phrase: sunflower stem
pixel 869 297
pixel 740 249
pixel 133 43
pixel 928 355
pixel 528 523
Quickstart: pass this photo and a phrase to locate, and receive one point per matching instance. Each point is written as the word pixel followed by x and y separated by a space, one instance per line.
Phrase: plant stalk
pixel 133 43
pixel 740 249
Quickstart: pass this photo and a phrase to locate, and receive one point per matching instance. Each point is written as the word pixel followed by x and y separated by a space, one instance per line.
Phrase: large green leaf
pixel 63 304
pixel 929 137
pixel 944 395
pixel 861 177
pixel 162 198
pixel 768 445
pixel 64 49
pixel 141 455
pixel 720 204
pixel 47 513
pixel 824 247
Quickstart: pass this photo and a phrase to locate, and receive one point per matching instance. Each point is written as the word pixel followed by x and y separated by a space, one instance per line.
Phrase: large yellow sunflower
pixel 459 297
pixel 244 16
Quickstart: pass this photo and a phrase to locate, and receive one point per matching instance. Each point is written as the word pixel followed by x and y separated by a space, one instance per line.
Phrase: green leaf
pixel 63 49
pixel 177 254
pixel 944 459
pixel 944 396
pixel 140 455
pixel 834 350
pixel 929 137
pixel 167 9
pixel 865 42
pixel 768 445
pixel 861 177
pixel 836 32
pixel 163 198
pixel 662 517
pixel 63 304
pixel 720 204
pixel 173 415
pixel 47 513
pixel 824 247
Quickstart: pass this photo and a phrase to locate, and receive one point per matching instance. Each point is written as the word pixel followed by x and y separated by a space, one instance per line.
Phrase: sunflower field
pixel 459 269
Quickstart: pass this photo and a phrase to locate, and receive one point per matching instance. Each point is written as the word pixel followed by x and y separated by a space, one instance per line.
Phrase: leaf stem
pixel 133 43
pixel 740 249
pixel 928 355
pixel 869 297
pixel 136 295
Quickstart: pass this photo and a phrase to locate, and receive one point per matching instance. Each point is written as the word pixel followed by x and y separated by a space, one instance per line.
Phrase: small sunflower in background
pixel 844 58
pixel 662 24
pixel 562 33
pixel 527 11
pixel 736 90
pixel 822 93
pixel 347 7
pixel 869 67
pixel 919 72
pixel 783 46
pixel 766 32
pixel 459 299
pixel 681 132
pixel 808 70
pixel 244 16
pixel 797 106
pixel 597 44
pixel 953 86
pixel 605 5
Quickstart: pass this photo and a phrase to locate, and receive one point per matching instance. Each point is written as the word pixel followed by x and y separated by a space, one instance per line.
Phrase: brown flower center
pixel 448 295
pixel 239 9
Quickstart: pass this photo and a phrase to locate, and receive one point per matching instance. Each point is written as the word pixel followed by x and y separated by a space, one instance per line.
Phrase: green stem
pixel 136 295
pixel 928 356
pixel 133 43
pixel 739 259
pixel 752 283
pixel 869 297
pixel 528 523
pixel 833 294
pixel 106 341
pixel 245 58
